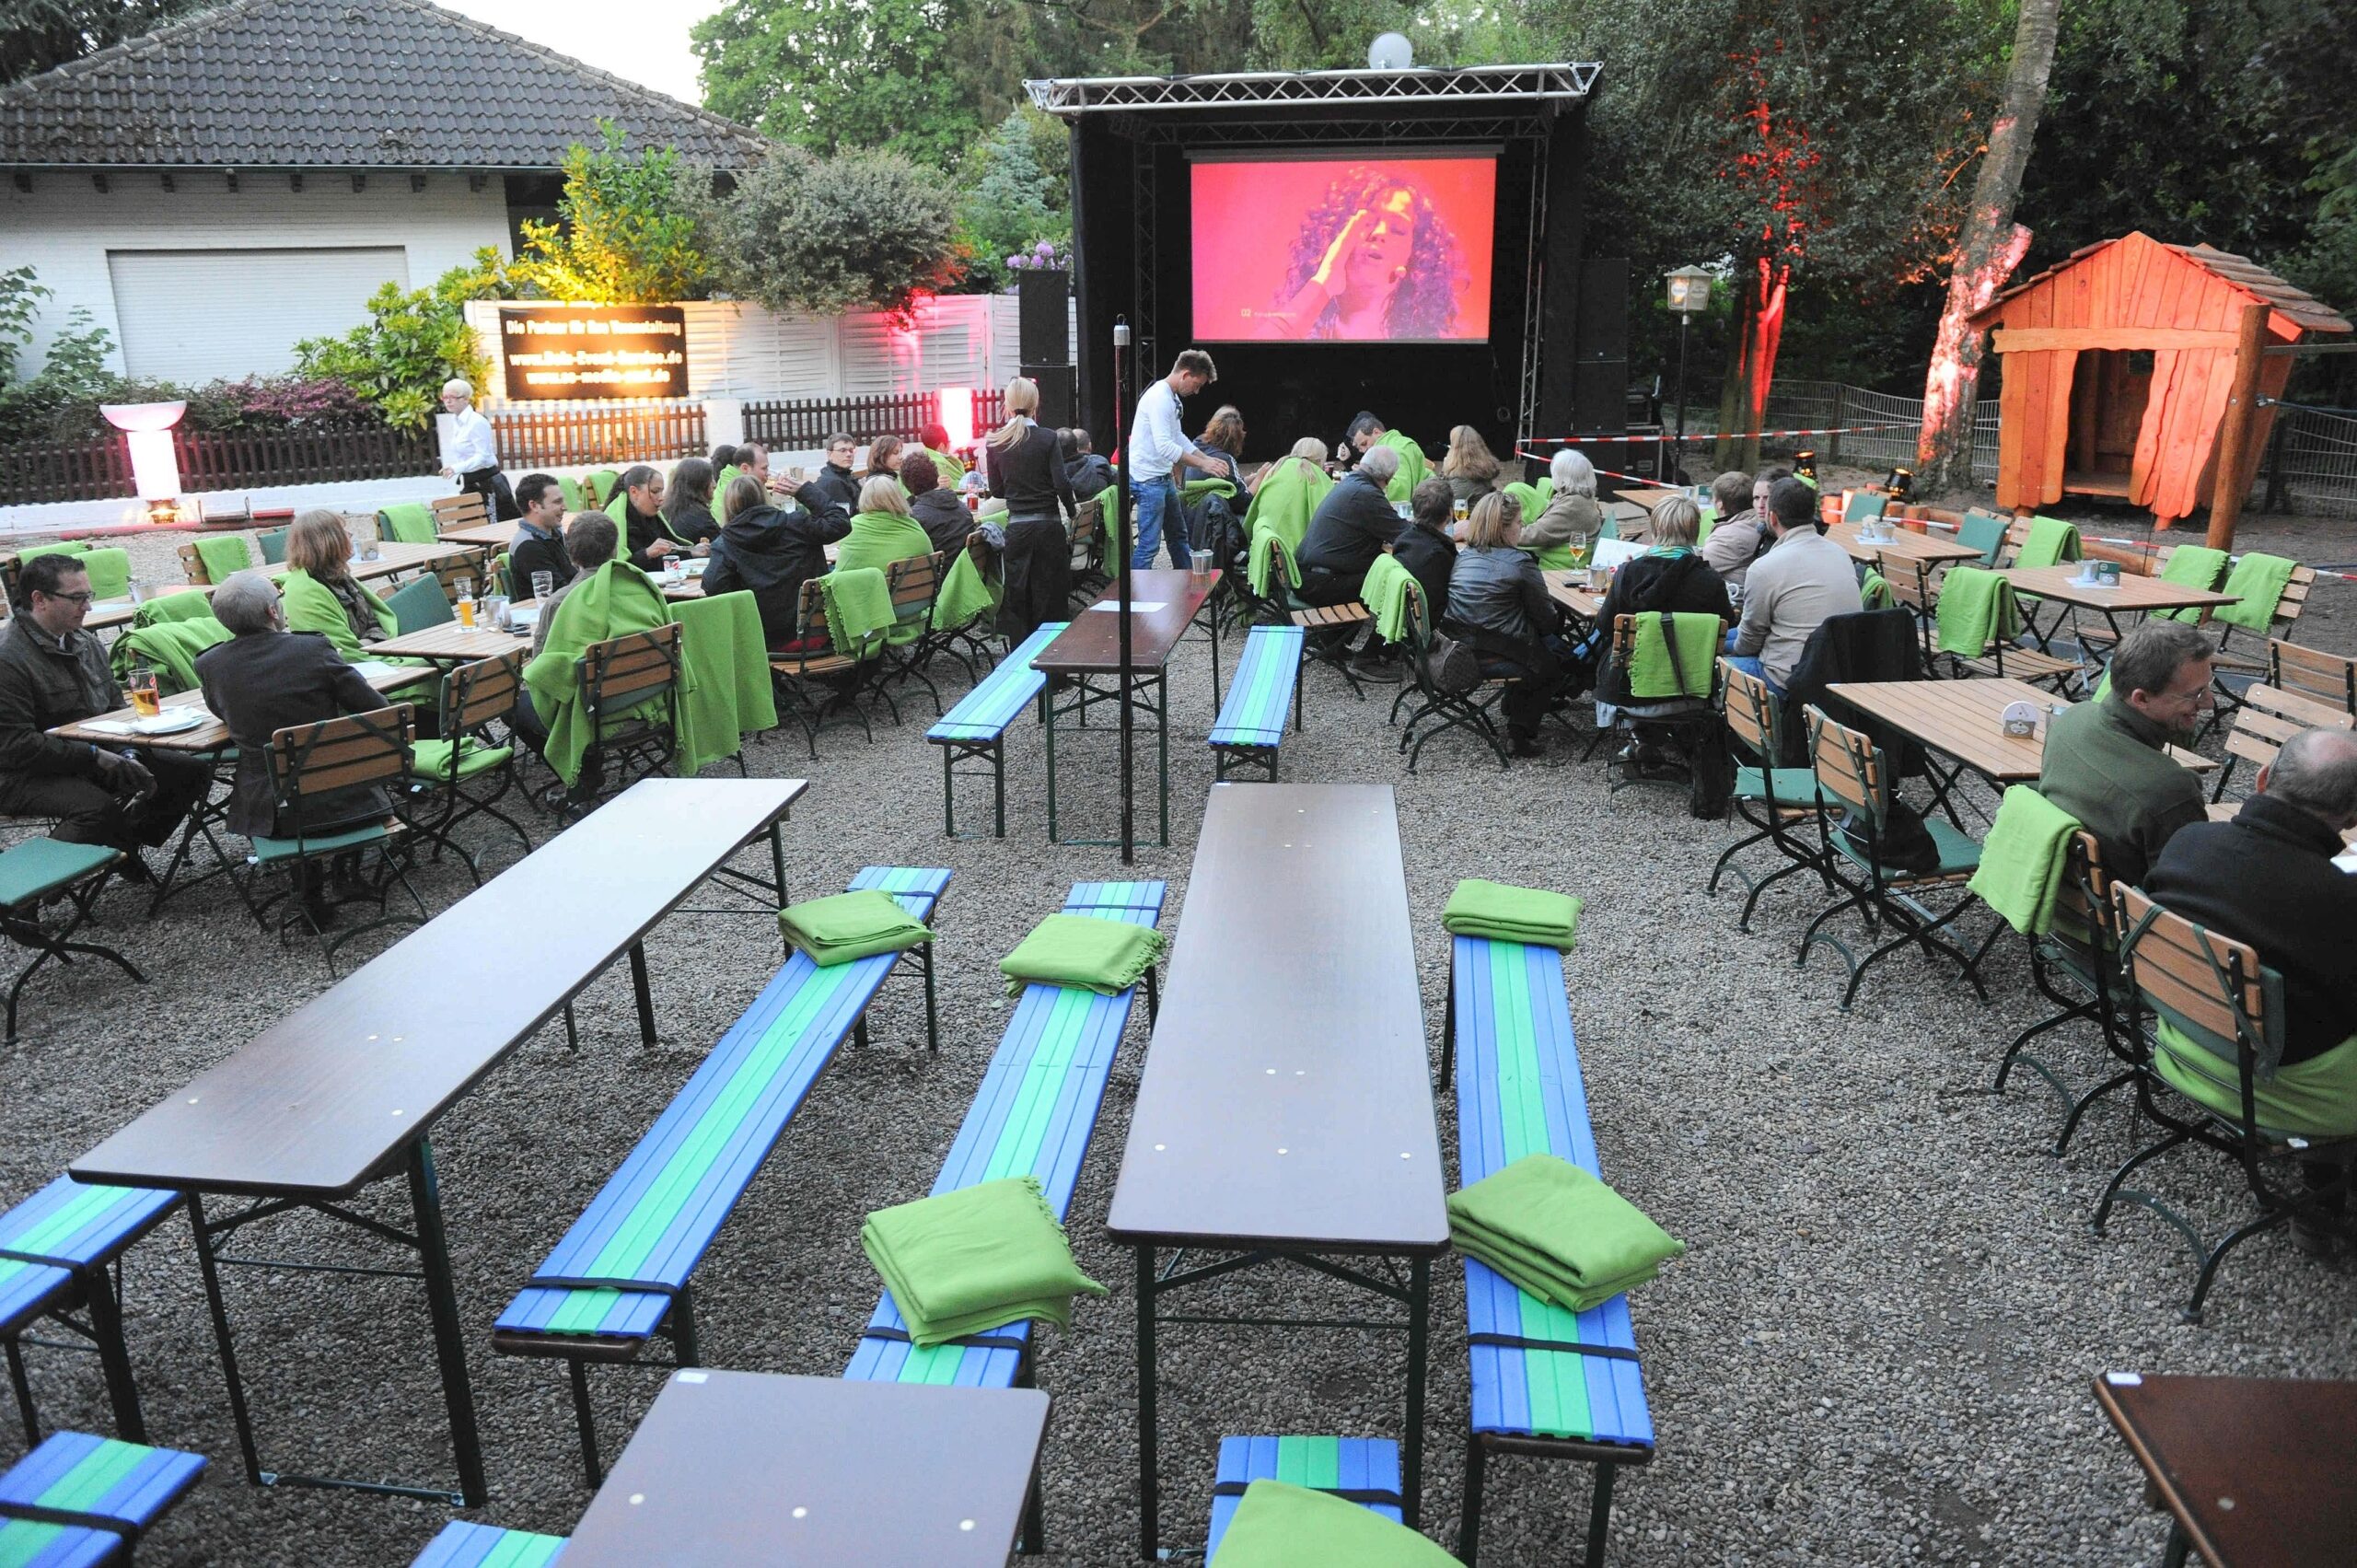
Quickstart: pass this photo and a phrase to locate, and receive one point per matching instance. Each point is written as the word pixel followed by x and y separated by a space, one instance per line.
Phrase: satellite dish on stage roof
pixel 1390 51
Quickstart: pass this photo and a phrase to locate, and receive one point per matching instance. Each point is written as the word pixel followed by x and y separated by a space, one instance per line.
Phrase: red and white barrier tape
pixel 1701 435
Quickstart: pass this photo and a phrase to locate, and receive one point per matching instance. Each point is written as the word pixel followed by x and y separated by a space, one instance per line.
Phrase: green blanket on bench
pixel 1282 1526
pixel 1558 1232
pixel 1083 950
pixel 1506 914
pixel 845 926
pixel 976 1259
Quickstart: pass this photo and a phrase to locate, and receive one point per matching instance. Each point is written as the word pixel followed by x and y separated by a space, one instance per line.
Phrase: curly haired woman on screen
pixel 1373 260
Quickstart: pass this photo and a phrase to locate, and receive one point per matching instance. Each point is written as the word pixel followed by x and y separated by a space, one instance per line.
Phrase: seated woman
pixel 771 548
pixel 938 511
pixel 321 595
pixel 882 531
pixel 1571 512
pixel 1470 467
pixel 1424 546
pixel 687 505
pixel 885 455
pixel 1671 577
pixel 1498 599
pixel 1223 442
pixel 1024 462
pixel 636 507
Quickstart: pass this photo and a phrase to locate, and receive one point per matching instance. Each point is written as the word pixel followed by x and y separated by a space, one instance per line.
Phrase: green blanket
pixel 2052 542
pixel 879 538
pixel 952 471
pixel 1558 1232
pixel 1260 565
pixel 1654 676
pixel 310 607
pixel 616 599
pixel 1196 489
pixel 1286 499
pixel 1413 469
pixel 2193 566
pixel 849 925
pixel 1506 913
pixel 724 691
pixel 224 555
pixel 1875 592
pixel 2257 581
pixel 602 483
pixel 109 571
pixel 1527 497
pixel 975 1259
pixel 576 499
pixel 1085 952
pixel 1976 608
pixel 170 649
pixel 859 609
pixel 1385 592
pixel 1279 1525
pixel 2022 859
pixel 408 522
pixel 965 594
pixel 180 604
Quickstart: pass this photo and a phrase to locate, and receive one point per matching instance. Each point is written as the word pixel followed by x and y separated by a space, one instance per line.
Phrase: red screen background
pixel 1247 214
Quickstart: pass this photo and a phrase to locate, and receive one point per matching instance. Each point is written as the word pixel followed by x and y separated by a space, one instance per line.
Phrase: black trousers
pixel 1526 701
pixel 493 483
pixel 87 813
pixel 1039 577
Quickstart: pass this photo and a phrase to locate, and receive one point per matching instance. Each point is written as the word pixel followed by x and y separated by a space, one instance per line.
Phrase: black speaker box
pixel 1044 333
pixel 1058 395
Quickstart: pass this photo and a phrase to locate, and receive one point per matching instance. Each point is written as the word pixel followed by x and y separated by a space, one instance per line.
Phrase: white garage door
pixel 189 316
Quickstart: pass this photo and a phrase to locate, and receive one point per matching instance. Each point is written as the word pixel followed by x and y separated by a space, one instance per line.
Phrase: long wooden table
pixel 342 1093
pixel 2134 594
pixel 392 559
pixel 744 1470
pixel 1907 544
pixel 2256 1472
pixel 1088 655
pixel 1285 1112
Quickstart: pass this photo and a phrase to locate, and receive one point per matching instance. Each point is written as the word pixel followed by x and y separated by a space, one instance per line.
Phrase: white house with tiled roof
pixel 213 192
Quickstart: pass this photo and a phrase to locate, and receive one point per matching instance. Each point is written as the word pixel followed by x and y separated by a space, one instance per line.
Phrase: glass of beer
pixel 1579 552
pixel 145 700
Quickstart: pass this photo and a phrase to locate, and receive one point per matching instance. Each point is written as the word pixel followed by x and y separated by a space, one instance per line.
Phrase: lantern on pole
pixel 154 468
pixel 1689 297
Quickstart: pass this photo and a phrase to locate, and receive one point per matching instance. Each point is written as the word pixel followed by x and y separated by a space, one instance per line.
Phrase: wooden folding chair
pixel 1774 800
pixel 2076 966
pixel 628 686
pixel 1440 709
pixel 2265 720
pixel 2329 679
pixel 800 677
pixel 308 763
pixel 914 584
pixel 450 772
pixel 466 510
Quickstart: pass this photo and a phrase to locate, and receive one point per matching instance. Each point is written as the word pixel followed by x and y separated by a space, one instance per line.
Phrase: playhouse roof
pixel 2302 312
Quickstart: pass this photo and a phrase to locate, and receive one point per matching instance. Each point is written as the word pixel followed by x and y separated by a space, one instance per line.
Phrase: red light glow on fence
pixel 957 416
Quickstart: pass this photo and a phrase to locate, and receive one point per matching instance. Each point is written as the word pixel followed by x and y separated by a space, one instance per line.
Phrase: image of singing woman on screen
pixel 1373 262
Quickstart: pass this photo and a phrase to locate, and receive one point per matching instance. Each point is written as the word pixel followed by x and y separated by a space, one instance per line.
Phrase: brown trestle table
pixel 1286 1110
pixel 2256 1472
pixel 1088 655
pixel 747 1470
pixel 342 1093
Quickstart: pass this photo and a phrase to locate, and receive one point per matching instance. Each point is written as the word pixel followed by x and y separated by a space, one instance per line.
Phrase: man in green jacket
pixel 2107 763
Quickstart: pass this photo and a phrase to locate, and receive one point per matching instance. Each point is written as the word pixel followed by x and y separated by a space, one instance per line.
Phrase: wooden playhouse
pixel 2126 364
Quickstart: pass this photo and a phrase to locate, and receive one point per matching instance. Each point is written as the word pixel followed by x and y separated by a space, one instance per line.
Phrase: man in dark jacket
pixel 772 551
pixel 835 481
pixel 943 517
pixel 1083 466
pixel 1350 528
pixel 52 673
pixel 2107 763
pixel 539 544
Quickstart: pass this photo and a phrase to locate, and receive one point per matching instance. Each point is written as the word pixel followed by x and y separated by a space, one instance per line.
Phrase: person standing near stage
pixel 1157 446
pixel 473 454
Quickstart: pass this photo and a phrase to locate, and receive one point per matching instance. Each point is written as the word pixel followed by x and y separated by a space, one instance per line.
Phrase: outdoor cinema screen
pixel 1354 247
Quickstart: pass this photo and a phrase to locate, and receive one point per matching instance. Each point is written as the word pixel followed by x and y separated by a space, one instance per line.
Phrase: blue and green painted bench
pixel 462 1545
pixel 621 1277
pixel 1252 724
pixel 78 1501
pixel 975 727
pixel 55 1249
pixel 1364 1471
pixel 1033 1116
pixel 1545 1382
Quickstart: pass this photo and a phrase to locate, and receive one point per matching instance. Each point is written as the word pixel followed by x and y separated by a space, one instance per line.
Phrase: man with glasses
pixel 52 672
pixel 2107 763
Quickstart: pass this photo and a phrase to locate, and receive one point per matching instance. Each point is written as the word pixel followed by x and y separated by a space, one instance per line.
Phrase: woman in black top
pixel 687 505
pixel 1670 577
pixel 771 549
pixel 1024 463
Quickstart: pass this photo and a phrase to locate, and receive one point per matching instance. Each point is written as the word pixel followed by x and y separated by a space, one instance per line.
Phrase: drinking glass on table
pixel 544 584
pixel 1579 552
pixel 146 700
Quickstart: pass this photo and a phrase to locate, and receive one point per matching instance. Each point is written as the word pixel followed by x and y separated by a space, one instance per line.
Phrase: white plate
pixel 172 723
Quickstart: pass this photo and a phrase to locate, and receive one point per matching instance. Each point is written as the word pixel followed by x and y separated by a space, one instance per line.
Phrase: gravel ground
pixel 1877 1351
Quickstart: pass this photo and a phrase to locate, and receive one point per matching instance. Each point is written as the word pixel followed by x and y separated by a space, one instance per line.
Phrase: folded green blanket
pixel 1875 592
pixel 2022 859
pixel 1385 592
pixel 2193 566
pixel 2050 542
pixel 223 554
pixel 173 604
pixel 859 608
pixel 1083 951
pixel 1506 913
pixel 2257 582
pixel 1259 563
pixel 964 594
pixel 406 522
pixel 1976 608
pixel 976 1259
pixel 1282 1526
pixel 849 925
pixel 1654 676
pixel 1558 1232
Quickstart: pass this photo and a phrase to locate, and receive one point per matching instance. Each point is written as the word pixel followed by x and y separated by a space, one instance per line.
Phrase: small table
pixel 453 644
pixel 491 536
pixel 2140 594
pixel 1905 545
pixel 1088 653
pixel 341 1092
pixel 746 1470
pixel 1569 588
pixel 1285 1112
pixel 2257 1472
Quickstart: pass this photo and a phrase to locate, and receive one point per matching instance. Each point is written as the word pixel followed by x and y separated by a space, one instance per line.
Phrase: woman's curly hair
pixel 1425 304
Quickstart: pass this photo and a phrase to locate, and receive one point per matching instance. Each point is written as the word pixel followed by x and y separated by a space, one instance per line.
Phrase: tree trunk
pixel 1988 251
pixel 1751 359
pixel 1734 396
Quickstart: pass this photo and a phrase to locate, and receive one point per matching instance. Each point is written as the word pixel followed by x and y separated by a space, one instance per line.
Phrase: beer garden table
pixel 1285 1109
pixel 2131 594
pixel 1905 544
pixel 342 1093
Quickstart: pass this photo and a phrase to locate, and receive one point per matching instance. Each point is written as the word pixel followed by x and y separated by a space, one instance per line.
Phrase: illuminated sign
pixel 596 351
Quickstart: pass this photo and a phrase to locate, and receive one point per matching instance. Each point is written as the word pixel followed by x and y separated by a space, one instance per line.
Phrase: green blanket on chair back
pixel 183 605
pixel 2052 542
pixel 2257 582
pixel 1654 676
pixel 1976 607
pixel 1413 469
pixel 1259 565
pixel 223 554
pixel 406 522
pixel 1385 592
pixel 724 692
pixel 2020 874
pixel 1287 499
pixel 618 599
pixel 859 609
pixel 2191 566
pixel 965 594
pixel 601 482
pixel 109 571
pixel 170 650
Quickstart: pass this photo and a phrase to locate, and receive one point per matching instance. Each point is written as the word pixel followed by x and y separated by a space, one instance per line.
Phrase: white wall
pixel 64 226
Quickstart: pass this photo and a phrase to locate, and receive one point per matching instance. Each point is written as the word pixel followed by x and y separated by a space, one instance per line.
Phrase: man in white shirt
pixel 472 455
pixel 1803 581
pixel 1157 446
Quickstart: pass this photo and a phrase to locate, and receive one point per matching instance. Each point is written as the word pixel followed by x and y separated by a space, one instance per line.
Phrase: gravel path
pixel 1877 1351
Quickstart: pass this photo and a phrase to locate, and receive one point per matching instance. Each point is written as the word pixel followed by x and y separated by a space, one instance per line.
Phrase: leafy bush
pixel 628 234
pixel 74 372
pixel 413 340
pixel 862 230
pixel 1012 199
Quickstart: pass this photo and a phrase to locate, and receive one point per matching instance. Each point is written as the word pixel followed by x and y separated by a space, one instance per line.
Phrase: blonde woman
pixel 881 530
pixel 1470 467
pixel 1023 462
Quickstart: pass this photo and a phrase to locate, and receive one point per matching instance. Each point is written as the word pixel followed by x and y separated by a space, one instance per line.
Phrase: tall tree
pixel 831 74
pixel 38 34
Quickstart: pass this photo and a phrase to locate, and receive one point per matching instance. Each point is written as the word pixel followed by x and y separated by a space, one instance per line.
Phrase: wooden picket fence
pixel 800 422
pixel 596 435
pixel 101 469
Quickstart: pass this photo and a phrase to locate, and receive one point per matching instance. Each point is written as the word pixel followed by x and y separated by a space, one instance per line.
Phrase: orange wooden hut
pixel 2124 364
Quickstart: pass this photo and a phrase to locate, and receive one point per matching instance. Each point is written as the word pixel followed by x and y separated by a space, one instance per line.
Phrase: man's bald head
pixel 2316 770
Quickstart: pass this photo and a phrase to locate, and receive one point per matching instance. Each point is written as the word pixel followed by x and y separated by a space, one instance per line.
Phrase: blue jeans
pixel 1155 504
pixel 1753 667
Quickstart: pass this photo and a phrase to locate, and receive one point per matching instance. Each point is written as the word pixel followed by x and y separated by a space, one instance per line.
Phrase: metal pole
pixel 1678 451
pixel 1121 547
